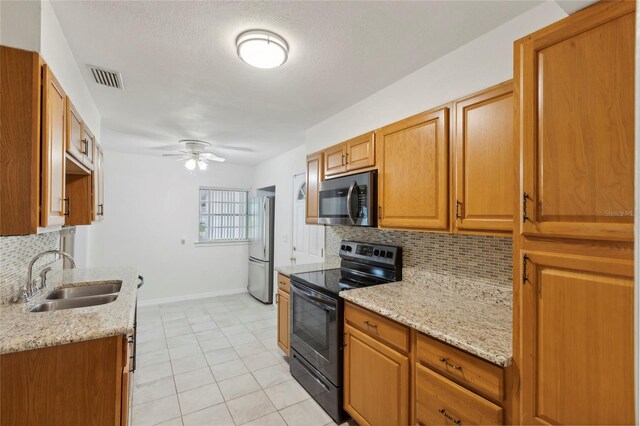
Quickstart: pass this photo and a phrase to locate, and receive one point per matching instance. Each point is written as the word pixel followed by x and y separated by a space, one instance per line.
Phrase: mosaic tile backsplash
pixel 482 259
pixel 15 255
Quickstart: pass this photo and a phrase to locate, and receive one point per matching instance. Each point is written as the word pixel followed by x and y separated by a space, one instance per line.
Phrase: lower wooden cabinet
pixel 394 375
pixel 314 177
pixel 82 383
pixel 284 307
pixel 376 381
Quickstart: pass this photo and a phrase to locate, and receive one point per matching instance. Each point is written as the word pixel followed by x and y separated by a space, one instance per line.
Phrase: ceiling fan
pixel 195 153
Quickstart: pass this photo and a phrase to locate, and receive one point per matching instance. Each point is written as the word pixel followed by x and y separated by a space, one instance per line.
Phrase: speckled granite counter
pixel 22 330
pixel 474 317
pixel 331 262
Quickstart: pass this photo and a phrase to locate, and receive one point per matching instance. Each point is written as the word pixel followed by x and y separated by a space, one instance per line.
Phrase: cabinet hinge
pixel 525 277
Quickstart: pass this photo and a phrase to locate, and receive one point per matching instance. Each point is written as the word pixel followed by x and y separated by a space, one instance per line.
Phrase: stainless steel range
pixel 317 317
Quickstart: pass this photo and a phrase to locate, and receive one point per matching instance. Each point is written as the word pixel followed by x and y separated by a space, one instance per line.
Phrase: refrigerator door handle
pixel 264 228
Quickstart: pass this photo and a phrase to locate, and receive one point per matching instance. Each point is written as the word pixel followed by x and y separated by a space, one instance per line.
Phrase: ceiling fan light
pixel 190 164
pixel 262 49
pixel 202 165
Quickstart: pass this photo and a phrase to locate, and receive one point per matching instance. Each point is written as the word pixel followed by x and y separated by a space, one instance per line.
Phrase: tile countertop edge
pixel 22 330
pixel 500 360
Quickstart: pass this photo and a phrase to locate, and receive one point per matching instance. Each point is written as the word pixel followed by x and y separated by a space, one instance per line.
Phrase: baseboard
pixel 163 300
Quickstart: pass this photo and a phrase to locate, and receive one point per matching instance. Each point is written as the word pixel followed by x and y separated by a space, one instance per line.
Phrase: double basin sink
pixel 80 297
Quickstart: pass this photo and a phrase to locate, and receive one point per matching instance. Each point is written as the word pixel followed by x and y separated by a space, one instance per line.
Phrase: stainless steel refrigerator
pixel 261 212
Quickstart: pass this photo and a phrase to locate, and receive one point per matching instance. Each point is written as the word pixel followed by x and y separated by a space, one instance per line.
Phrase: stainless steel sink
pixel 85 290
pixel 78 302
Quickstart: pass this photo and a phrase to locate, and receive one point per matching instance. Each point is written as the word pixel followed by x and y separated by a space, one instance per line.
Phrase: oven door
pixel 349 200
pixel 315 330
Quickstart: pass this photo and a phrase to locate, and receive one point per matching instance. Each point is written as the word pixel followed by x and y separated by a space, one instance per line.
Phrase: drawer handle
pixel 446 362
pixel 449 417
pixel 370 324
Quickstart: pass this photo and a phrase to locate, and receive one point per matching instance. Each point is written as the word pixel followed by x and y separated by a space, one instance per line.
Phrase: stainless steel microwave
pixel 349 200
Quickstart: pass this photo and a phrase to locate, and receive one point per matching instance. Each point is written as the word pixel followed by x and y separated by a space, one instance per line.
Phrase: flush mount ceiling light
pixel 262 49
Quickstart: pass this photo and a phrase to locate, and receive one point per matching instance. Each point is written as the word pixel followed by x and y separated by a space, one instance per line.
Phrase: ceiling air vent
pixel 106 77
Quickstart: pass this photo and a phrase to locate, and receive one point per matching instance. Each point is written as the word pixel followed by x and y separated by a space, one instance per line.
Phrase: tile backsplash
pixel 15 255
pixel 482 259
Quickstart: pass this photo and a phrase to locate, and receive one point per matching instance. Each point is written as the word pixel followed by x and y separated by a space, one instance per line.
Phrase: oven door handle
pixel 349 195
pixel 318 301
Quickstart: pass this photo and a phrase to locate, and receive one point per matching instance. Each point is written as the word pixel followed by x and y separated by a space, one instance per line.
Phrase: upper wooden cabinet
pixel 577 339
pixel 80 141
pixel 484 185
pixel 54 125
pixel 314 176
pixel 354 154
pixel 413 172
pixel 575 110
pixel 89 145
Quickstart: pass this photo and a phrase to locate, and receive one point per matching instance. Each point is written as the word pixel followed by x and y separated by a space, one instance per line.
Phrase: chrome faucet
pixel 31 289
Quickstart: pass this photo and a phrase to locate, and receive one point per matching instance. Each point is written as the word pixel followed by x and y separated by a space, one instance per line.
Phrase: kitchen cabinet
pixel 413 172
pixel 573 274
pixel 80 141
pixel 314 177
pixel 90 379
pixel 97 178
pixel 89 143
pixel 54 129
pixel 20 104
pixel 577 336
pixel 376 381
pixel 283 301
pixel 355 154
pixel 376 368
pixel 484 186
pixel 576 110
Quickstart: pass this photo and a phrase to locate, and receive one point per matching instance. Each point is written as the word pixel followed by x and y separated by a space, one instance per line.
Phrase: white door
pixel 307 240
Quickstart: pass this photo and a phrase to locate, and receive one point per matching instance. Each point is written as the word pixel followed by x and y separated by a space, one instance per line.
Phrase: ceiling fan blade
pixel 211 156
pixel 173 155
pixel 234 148
pixel 173 147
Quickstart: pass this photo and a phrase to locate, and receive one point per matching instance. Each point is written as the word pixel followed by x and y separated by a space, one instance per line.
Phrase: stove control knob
pixel 376 252
pixel 383 253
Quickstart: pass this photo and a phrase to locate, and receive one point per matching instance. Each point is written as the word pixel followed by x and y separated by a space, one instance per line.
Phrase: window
pixel 223 214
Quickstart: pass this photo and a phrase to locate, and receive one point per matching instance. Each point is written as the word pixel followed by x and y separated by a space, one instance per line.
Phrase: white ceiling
pixel 183 79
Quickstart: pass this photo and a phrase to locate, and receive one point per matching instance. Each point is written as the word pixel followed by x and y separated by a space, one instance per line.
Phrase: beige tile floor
pixel 216 362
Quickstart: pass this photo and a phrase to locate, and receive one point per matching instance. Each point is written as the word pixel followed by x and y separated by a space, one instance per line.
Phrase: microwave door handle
pixel 349 195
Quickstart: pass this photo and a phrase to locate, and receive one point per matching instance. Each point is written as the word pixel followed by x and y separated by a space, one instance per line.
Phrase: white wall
pixel 151 203
pixel 20 24
pixel 279 171
pixel 485 61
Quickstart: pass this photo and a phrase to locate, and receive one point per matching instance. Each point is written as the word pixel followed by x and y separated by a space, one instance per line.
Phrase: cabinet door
pixel 485 183
pixel 314 176
pixel 74 144
pixel 360 152
pixel 576 113
pixel 577 339
pixel 414 172
pixel 54 124
pixel 376 381
pixel 335 160
pixel 283 321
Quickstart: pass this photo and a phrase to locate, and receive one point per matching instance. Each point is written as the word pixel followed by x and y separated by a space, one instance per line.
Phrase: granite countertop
pixel 474 317
pixel 23 330
pixel 330 262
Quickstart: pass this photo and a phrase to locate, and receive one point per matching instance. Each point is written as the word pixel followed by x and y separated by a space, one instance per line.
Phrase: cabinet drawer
pixel 461 367
pixel 283 283
pixel 441 401
pixel 377 326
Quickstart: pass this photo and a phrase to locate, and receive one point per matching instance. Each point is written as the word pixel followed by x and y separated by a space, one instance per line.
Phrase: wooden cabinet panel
pixel 54 123
pixel 576 125
pixel 577 339
pixel 485 184
pixel 376 381
pixel 284 283
pixel 413 172
pixel 360 152
pixel 20 108
pixel 89 146
pixel 314 177
pixel 439 401
pixel 78 190
pixel 283 320
pixel 335 160
pixel 97 177
pixel 389 332
pixel 461 367
pixel 74 144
